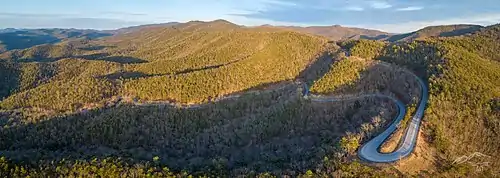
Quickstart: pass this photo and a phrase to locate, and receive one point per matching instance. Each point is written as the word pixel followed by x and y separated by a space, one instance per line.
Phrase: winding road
pixel 370 150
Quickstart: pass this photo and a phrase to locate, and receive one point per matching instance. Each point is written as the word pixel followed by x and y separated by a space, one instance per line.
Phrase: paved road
pixel 369 151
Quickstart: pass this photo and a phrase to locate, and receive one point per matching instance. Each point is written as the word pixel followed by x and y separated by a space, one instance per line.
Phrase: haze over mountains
pixel 220 99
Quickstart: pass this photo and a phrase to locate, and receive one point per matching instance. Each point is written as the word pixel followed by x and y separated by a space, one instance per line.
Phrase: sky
pixel 395 16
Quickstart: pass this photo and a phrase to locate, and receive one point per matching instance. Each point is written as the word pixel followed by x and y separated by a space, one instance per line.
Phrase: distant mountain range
pixel 337 32
pixel 25 38
pixel 11 38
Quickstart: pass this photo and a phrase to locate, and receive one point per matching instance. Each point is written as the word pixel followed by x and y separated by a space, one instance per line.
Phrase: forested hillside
pixel 96 96
pixel 338 33
pixel 187 63
pixel 462 117
pixel 218 99
pixel 436 31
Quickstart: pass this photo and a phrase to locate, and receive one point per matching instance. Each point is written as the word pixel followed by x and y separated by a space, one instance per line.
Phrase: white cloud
pixel 411 8
pixel 480 19
pixel 380 4
pixel 280 3
pixel 354 8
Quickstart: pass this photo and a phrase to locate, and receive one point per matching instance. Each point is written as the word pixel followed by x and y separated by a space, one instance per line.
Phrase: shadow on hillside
pixel 398 37
pixel 96 48
pixel 108 57
pixel 318 68
pixel 381 79
pixel 378 37
pixel 205 68
pixel 123 59
pixel 127 75
pixel 9 78
pixel 269 134
pixel 96 57
pixel 462 31
pixel 24 39
pixel 136 75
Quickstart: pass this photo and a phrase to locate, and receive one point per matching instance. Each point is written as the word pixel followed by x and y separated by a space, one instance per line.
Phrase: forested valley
pixel 218 99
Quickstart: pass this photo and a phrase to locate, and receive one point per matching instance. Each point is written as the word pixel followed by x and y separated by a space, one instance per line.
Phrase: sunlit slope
pixel 186 63
pixel 463 78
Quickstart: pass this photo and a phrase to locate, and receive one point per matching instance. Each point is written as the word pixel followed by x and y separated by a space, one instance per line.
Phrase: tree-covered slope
pixel 186 63
pixel 464 81
pixel 436 31
pixel 338 32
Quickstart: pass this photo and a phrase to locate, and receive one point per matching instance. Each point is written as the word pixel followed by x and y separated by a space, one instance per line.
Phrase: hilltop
pixel 337 32
pixel 340 33
pixel 436 31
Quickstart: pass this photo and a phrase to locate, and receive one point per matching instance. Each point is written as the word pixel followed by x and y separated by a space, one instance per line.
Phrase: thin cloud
pixel 380 5
pixel 354 8
pixel 280 3
pixel 411 8
pixel 123 13
pixel 38 15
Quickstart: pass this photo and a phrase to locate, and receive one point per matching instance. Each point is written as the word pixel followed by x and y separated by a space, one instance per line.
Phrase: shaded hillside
pixel 260 132
pixel 26 38
pixel 338 32
pixel 436 31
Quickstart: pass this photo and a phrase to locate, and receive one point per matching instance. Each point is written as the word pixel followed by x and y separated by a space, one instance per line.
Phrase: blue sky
pixel 388 15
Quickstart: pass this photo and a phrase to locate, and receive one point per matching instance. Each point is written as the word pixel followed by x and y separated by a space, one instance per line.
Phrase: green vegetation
pixel 199 63
pixel 343 73
pixel 367 49
pixel 108 167
pixel 435 31
pixel 63 95
pixel 355 76
pixel 16 77
pixel 229 137
pixel 9 73
pixel 70 109
pixel 65 85
pixel 337 32
pixel 462 115
pixel 190 63
pixel 467 89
